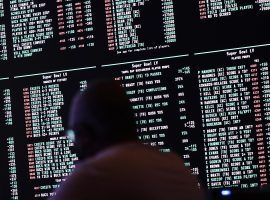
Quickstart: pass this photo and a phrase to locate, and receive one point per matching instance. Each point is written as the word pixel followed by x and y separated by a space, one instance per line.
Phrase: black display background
pixel 193 35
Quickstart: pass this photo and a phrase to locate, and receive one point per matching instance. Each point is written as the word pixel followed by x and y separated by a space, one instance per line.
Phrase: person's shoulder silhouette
pixel 113 164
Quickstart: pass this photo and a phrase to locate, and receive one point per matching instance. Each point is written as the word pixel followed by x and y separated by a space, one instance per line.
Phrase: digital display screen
pixel 197 75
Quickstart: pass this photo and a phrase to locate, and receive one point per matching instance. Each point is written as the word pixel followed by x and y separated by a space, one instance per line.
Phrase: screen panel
pixel 196 73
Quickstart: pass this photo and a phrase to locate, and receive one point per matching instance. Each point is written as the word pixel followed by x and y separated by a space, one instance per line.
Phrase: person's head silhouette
pixel 101 116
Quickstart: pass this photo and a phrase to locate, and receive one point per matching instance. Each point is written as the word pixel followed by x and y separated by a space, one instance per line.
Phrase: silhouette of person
pixel 113 165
